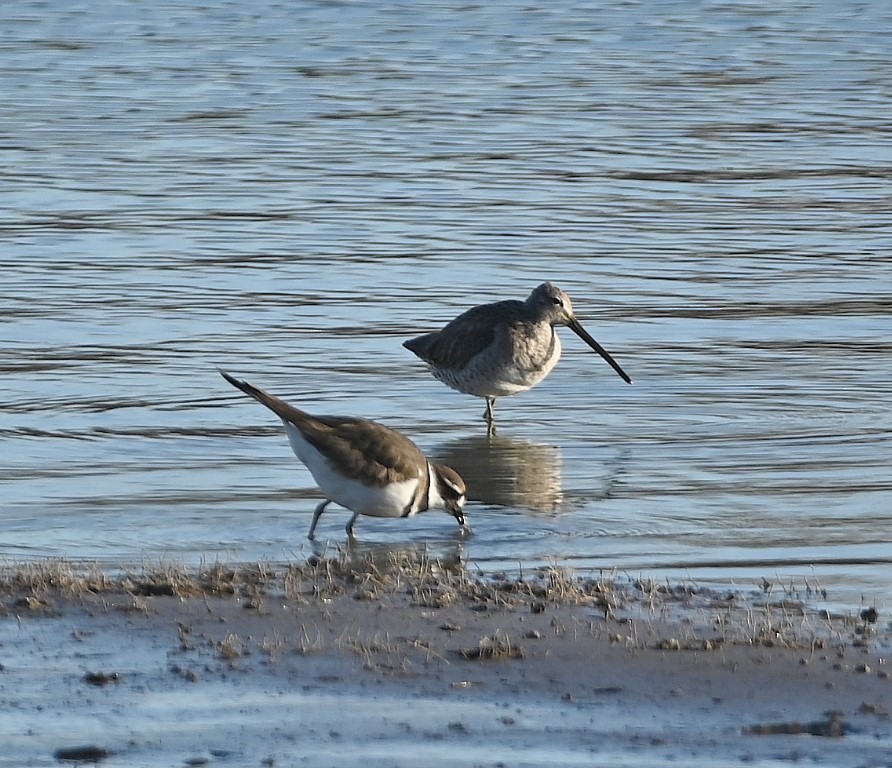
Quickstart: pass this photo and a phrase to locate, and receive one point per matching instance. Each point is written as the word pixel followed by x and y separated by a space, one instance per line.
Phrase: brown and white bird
pixel 364 466
pixel 503 348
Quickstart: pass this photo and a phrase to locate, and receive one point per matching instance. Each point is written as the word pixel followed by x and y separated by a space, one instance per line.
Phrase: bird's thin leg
pixel 489 417
pixel 350 525
pixel 319 510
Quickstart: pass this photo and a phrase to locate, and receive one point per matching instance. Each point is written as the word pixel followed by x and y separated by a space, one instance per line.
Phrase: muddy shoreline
pixel 346 662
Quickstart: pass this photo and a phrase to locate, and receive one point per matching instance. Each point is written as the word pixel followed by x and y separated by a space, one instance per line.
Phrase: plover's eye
pixel 557 301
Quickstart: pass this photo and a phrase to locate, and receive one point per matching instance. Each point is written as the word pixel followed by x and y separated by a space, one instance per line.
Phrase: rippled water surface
pixel 289 190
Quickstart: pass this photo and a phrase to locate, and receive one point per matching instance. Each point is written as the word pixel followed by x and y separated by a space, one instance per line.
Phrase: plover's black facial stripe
pixel 458 490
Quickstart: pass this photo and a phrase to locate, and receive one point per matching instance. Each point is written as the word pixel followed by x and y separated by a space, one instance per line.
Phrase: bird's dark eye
pixel 557 301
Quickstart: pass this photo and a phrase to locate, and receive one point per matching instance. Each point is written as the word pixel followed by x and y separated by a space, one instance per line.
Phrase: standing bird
pixel 503 348
pixel 364 466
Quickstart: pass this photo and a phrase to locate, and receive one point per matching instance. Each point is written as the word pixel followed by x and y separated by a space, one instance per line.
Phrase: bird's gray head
pixel 552 304
pixel 452 490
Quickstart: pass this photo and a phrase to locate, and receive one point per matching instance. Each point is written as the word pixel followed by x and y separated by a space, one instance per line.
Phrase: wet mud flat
pixel 349 661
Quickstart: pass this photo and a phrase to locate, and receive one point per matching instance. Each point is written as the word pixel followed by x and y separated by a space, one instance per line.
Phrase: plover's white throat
pixel 364 466
pixel 503 348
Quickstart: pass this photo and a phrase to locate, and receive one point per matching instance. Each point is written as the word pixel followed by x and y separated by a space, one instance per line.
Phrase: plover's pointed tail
pixel 283 410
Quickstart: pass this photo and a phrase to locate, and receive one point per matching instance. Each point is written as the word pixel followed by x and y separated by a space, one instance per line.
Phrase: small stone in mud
pixel 102 678
pixel 879 710
pixel 154 589
pixel 833 727
pixel 89 753
pixel 187 674
pixel 31 603
pixel 870 615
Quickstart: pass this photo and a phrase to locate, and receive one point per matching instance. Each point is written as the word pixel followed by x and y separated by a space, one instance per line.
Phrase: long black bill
pixel 583 334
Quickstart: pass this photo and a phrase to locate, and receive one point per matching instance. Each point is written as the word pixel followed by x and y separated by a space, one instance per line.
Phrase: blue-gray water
pixel 289 190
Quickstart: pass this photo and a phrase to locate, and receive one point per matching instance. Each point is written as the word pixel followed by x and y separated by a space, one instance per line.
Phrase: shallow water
pixel 290 192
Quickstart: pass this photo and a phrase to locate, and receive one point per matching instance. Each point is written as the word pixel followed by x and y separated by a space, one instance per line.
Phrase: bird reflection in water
pixel 507 472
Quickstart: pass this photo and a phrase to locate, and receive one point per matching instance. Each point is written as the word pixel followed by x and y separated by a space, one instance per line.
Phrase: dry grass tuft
pixel 56 577
pixel 633 611
pixel 231 647
pixel 495 646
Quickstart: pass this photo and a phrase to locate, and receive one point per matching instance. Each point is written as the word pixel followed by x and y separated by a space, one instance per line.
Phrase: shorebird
pixel 364 466
pixel 503 348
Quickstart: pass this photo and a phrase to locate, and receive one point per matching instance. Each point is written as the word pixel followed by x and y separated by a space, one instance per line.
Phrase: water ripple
pixel 289 191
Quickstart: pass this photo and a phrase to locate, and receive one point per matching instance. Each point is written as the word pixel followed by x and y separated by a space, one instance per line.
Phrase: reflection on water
pixel 506 471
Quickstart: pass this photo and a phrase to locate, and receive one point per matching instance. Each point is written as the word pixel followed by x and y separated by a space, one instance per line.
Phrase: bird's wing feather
pixel 467 336
pixel 377 454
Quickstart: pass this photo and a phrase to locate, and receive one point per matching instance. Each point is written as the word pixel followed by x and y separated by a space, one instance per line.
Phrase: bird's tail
pixel 282 409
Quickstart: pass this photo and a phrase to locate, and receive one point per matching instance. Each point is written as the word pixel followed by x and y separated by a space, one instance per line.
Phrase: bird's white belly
pixel 376 501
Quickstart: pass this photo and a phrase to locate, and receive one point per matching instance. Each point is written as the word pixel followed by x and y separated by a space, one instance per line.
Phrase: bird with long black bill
pixel 500 349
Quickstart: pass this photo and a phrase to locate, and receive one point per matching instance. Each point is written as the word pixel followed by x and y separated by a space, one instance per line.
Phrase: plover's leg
pixel 319 510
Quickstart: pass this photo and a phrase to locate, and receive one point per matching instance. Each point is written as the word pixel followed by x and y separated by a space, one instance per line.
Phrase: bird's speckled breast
pixel 518 360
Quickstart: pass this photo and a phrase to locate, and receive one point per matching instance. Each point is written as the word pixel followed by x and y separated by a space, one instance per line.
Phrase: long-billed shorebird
pixel 364 466
pixel 503 348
